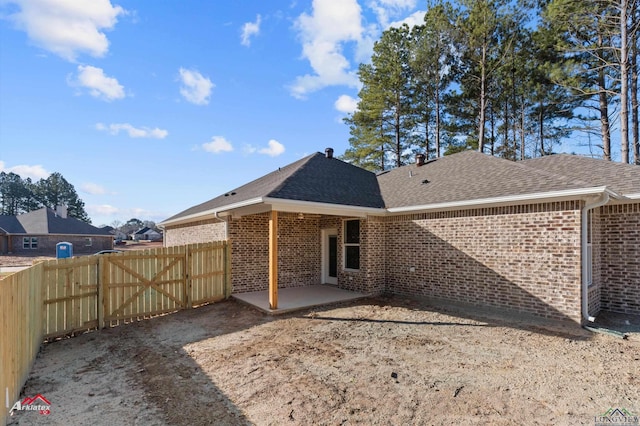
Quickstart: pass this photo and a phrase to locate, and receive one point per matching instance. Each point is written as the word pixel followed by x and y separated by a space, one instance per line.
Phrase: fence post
pixel 100 301
pixel 188 259
pixel 227 268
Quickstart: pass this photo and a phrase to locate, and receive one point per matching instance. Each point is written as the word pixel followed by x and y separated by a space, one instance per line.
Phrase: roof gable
pixel 465 178
pixel 314 178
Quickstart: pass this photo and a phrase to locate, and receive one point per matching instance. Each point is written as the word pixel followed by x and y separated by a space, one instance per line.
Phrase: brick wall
pixel 620 258
pixel 299 252
pixel 249 253
pixel 47 244
pixel 196 232
pixel 522 257
pixel 525 258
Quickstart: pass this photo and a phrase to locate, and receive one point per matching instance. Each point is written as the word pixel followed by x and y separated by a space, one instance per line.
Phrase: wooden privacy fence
pixel 106 290
pixel 64 296
pixel 20 332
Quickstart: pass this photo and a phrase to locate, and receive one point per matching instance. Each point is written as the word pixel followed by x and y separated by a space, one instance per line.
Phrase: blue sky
pixel 150 107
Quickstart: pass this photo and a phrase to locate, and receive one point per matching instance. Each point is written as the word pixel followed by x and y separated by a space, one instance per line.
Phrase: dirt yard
pixel 378 361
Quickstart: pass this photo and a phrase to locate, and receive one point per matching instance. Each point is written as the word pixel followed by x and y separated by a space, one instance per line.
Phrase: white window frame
pixel 29 243
pixel 88 242
pixel 345 244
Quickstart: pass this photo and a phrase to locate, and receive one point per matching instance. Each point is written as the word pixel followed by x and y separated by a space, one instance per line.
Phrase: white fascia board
pixel 508 200
pixel 633 196
pixel 207 214
pixel 311 207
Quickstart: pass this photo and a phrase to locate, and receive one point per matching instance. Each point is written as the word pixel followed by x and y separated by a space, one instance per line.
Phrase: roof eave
pixel 540 197
pixel 314 207
pixel 211 213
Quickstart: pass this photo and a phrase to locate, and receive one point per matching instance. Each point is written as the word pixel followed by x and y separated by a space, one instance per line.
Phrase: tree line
pixel 508 78
pixel 19 195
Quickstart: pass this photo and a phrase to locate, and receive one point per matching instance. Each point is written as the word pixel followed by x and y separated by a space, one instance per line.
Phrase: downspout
pixel 226 226
pixel 601 201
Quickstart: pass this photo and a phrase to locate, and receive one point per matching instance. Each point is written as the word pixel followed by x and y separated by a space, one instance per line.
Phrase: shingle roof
pixel 468 175
pixel 314 178
pixel 46 221
pixel 465 176
pixel 11 225
pixel 621 178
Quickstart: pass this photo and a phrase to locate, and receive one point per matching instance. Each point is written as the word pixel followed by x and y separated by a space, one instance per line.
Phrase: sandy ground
pixel 386 361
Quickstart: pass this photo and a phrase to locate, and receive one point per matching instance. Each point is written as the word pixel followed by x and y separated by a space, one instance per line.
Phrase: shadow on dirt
pixel 465 315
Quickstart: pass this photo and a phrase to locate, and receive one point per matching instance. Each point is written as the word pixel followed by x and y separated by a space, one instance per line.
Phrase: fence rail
pixel 60 297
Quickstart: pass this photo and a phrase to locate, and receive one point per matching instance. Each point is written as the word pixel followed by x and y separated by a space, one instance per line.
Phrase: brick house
pixel 557 236
pixel 38 232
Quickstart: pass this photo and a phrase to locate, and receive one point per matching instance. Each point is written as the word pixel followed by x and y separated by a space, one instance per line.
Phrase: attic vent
pixel 229 193
pixel 426 181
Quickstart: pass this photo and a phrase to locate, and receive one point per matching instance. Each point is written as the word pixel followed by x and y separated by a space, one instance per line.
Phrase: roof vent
pixel 328 152
pixel 420 159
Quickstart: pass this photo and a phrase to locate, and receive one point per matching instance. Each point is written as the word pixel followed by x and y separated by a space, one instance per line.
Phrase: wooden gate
pixel 136 286
pixel 101 291
pixel 70 295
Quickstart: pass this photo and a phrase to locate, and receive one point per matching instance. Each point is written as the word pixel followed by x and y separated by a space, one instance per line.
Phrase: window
pixel 30 243
pixel 88 242
pixel 352 244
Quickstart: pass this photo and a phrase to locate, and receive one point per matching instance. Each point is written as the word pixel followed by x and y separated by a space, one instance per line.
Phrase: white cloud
pixel 324 34
pixel 134 132
pixel 387 9
pixel 102 210
pixel 195 87
pixel 99 85
pixel 416 18
pixel 346 104
pixel 250 29
pixel 93 188
pixel 249 149
pixel 34 172
pixel 275 148
pixel 217 144
pixel 68 27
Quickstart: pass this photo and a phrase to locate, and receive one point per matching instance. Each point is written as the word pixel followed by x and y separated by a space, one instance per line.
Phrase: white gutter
pixel 570 193
pixel 600 201
pixel 633 196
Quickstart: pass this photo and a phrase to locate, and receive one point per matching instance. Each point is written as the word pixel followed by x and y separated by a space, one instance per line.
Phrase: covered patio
pixel 297 298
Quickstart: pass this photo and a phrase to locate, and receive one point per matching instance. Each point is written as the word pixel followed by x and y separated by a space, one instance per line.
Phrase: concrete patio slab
pixel 296 298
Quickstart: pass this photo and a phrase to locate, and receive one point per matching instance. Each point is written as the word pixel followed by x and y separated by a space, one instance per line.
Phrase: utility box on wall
pixel 64 250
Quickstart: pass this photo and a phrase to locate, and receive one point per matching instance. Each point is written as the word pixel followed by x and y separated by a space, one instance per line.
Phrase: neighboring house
pixel 557 236
pixel 39 231
pixel 147 234
pixel 117 234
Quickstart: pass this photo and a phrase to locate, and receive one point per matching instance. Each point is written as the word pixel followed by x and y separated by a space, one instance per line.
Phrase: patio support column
pixel 273 260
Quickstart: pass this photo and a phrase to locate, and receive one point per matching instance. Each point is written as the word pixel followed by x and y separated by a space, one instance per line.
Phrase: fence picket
pixel 60 297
